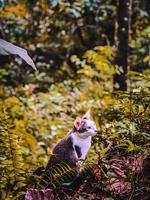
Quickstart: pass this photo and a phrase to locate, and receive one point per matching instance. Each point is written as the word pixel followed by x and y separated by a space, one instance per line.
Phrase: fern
pixel 11 167
pixel 54 176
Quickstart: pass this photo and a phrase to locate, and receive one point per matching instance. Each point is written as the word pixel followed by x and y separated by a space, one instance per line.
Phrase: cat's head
pixel 84 126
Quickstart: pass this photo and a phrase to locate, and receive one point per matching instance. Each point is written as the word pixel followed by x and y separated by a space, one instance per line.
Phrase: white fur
pixel 83 143
pixel 83 139
pixel 91 129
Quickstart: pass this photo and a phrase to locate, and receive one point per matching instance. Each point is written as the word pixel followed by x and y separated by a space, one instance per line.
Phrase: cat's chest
pixel 81 145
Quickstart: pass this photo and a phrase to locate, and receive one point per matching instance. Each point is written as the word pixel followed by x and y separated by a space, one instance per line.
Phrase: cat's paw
pixel 79 164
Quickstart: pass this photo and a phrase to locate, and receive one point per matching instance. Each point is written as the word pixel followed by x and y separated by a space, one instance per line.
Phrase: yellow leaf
pixel 19 10
pixel 105 150
pixel 147 59
pixel 31 140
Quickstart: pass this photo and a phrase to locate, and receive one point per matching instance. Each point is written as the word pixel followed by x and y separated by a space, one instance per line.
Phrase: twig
pixel 131 194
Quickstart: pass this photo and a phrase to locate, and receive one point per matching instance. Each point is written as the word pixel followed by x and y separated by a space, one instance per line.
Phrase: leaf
pixel 147 59
pixel 31 141
pixel 41 194
pixel 105 150
pixel 7 48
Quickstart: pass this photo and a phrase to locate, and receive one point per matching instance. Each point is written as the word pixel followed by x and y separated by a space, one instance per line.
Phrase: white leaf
pixel 7 48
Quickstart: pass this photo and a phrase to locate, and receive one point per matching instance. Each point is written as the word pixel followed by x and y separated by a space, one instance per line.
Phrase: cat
pixel 76 144
pixel 71 150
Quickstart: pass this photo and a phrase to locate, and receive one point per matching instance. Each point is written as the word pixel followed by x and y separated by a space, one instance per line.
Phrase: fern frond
pixel 55 176
pixel 11 166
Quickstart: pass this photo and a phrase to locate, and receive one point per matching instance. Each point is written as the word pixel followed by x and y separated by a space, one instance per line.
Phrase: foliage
pixel 122 119
pixel 54 30
pixel 12 173
pixel 71 44
pixel 54 176
pixel 139 41
pixel 41 194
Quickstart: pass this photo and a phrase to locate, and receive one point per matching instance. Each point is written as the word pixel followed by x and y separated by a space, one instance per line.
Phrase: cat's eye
pixel 88 127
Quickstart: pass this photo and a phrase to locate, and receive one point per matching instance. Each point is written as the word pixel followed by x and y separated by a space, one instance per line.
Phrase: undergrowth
pixel 31 122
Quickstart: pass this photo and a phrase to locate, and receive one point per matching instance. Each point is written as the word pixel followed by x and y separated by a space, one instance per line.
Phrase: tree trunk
pixel 122 26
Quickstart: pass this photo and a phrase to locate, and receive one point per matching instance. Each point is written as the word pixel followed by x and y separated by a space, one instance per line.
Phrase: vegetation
pixel 72 45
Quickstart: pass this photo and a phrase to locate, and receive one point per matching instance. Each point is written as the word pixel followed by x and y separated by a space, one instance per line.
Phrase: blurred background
pixel 89 54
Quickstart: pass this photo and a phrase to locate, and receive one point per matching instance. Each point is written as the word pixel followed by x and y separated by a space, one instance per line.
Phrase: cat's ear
pixel 87 115
pixel 77 123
